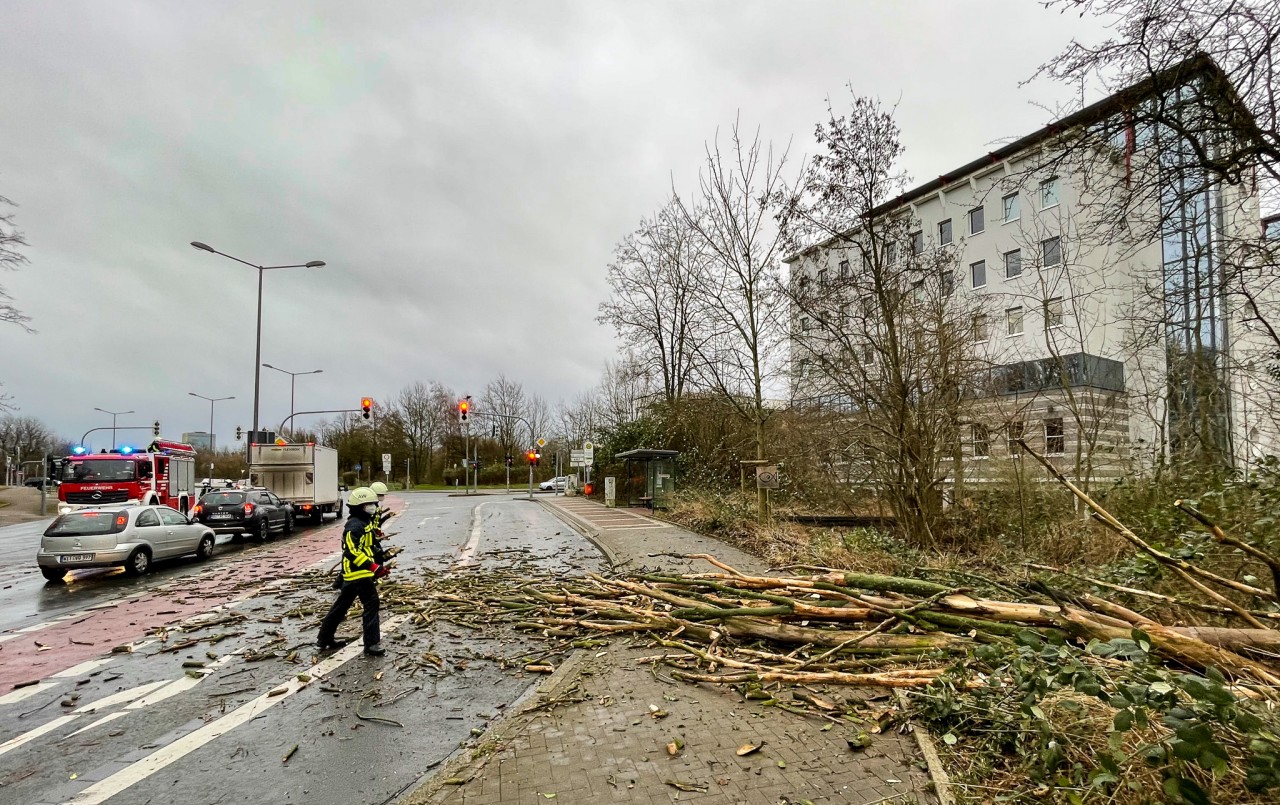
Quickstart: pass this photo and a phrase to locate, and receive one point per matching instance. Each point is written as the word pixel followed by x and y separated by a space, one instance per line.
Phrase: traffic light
pixel 464 407
pixel 155 428
pixel 366 406
pixel 509 461
pixel 537 458
pixel 239 433
pixel 533 458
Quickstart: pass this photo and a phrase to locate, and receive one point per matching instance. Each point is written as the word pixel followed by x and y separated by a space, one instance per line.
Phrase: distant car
pixel 237 511
pixel 132 536
pixel 559 483
pixel 39 483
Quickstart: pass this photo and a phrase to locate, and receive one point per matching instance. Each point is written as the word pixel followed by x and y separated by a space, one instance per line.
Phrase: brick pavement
pixel 602 743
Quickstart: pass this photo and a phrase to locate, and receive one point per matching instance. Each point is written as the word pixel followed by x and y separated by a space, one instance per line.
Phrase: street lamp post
pixel 293 376
pixel 213 440
pixel 114 414
pixel 257 349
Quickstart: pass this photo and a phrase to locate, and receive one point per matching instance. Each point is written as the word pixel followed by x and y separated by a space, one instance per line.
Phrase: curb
pixel 462 763
pixel 588 531
pixel 932 761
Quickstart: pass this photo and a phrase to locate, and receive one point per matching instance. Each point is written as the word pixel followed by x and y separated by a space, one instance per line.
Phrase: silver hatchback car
pixel 132 536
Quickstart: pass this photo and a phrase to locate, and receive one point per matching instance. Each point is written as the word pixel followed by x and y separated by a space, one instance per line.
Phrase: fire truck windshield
pixel 96 470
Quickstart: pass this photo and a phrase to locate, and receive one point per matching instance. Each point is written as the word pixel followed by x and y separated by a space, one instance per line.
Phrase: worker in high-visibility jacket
pixel 360 572
pixel 381 516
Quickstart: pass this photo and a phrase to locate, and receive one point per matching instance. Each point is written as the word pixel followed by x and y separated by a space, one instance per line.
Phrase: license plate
pixel 220 516
pixel 75 557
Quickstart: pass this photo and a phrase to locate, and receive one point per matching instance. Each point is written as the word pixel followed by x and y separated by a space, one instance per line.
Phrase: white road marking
pixel 99 722
pixel 25 693
pixel 426 519
pixel 465 556
pixel 178 686
pixel 83 668
pixel 123 696
pixel 137 772
pixel 27 737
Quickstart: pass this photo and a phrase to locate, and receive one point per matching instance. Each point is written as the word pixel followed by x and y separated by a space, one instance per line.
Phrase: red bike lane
pixel 39 654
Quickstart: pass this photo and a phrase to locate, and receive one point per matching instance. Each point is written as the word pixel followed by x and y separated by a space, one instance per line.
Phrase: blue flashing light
pixel 78 450
pixel 126 450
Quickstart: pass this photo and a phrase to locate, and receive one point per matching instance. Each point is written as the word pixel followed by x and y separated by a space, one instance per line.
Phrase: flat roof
pixel 1176 75
pixel 647 454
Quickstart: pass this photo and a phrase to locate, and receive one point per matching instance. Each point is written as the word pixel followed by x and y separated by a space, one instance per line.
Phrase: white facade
pixel 1045 284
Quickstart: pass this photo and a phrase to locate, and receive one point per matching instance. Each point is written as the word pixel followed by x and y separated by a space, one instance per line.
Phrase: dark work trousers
pixel 367 591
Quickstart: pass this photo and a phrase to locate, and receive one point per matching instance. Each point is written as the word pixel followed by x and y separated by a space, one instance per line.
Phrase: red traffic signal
pixel 532 456
pixel 366 406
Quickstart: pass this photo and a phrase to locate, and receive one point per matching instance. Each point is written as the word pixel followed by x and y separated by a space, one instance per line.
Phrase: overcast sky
pixel 464 169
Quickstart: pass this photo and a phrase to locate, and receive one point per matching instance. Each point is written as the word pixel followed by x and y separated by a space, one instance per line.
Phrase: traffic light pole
pixel 532 439
pixel 303 413
pixel 108 427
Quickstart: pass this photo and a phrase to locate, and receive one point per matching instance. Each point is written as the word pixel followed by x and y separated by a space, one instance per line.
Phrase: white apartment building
pixel 1130 345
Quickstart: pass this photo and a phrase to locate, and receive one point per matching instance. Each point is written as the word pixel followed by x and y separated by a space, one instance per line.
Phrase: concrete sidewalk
pixel 589 734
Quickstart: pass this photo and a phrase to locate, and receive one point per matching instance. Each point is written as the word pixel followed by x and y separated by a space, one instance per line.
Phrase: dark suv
pixel 237 511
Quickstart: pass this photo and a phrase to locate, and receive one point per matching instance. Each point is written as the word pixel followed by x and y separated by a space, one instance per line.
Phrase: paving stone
pixel 590 752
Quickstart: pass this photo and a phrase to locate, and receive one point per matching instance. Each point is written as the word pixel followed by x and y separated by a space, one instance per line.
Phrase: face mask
pixel 370 508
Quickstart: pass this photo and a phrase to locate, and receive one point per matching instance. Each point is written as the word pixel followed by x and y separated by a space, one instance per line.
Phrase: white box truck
pixel 305 475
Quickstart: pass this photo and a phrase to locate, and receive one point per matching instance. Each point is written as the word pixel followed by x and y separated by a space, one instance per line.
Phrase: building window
pixel 1051 250
pixel 977 220
pixel 1016 430
pixel 1013 321
pixel 1053 312
pixel 978 274
pixel 948 283
pixel 844 269
pixel 804 324
pixel 823 280
pixel 804 284
pixel 981 441
pixel 981 328
pixel 1013 264
pixel 1049 193
pixel 844 315
pixel 917 242
pixel 1055 441
pixel 1011 212
pixel 891 254
pixel 944 232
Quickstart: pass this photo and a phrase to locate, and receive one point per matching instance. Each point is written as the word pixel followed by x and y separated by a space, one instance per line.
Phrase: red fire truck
pixel 163 473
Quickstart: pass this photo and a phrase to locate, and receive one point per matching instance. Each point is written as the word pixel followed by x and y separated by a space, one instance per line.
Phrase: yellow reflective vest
pixel 357 550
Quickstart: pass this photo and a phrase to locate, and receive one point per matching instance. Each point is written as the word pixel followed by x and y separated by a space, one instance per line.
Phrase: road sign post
pixel 386 466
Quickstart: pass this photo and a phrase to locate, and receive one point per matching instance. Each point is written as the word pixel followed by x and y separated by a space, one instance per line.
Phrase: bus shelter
pixel 648 476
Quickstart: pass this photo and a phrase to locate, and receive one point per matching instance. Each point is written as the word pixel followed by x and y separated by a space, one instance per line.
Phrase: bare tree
pixel 576 421
pixel 538 413
pixel 505 399
pixel 11 240
pixel 738 293
pixel 620 395
pixel 881 340
pixel 423 420
pixel 23 438
pixel 652 281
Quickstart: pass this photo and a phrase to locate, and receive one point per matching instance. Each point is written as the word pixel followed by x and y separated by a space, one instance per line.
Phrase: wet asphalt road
pixel 140 727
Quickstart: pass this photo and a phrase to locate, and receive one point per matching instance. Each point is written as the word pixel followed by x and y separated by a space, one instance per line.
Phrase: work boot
pixel 376 650
pixel 332 645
